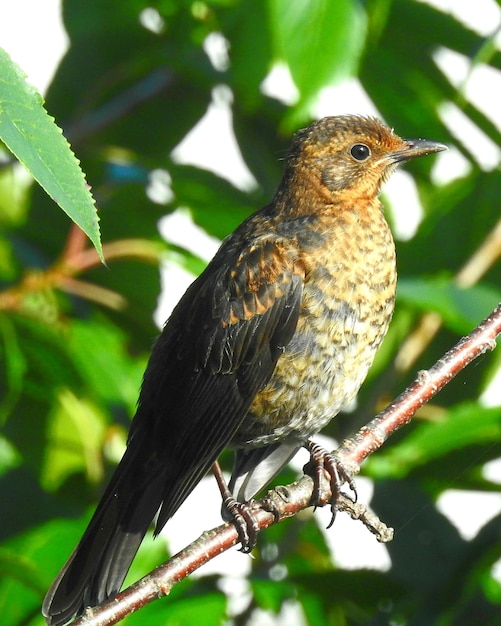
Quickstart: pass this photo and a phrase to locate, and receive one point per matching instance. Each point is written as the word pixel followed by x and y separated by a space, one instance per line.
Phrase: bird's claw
pixel 321 461
pixel 242 515
pixel 247 527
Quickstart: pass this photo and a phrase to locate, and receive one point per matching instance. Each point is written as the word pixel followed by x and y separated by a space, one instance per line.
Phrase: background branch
pixel 77 257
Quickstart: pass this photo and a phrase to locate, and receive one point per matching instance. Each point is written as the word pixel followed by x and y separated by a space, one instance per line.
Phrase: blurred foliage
pixel 75 336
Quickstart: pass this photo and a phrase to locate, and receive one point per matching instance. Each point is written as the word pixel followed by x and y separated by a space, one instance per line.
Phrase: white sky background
pixel 37 50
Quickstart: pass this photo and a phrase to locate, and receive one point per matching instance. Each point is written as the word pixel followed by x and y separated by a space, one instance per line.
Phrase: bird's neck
pixel 302 193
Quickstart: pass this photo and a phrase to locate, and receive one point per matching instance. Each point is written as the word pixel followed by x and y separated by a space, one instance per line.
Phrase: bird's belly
pixel 319 373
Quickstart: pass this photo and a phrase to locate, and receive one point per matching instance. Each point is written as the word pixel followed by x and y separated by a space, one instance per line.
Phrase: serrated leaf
pixel 35 139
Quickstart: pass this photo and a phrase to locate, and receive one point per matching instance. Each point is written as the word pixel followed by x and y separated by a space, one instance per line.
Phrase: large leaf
pixel 33 136
pixel 248 30
pixel 320 41
pixel 25 579
pixel 126 95
pixel 74 441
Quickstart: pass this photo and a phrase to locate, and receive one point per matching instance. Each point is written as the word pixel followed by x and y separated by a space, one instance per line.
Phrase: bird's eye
pixel 360 152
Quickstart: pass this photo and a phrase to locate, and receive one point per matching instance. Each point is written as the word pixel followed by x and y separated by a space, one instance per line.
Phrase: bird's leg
pixel 240 512
pixel 324 461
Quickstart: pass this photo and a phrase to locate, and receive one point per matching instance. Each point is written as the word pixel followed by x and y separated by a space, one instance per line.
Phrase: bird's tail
pixel 97 567
pixel 254 468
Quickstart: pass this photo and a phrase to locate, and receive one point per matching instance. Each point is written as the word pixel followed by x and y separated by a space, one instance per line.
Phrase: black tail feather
pixel 97 567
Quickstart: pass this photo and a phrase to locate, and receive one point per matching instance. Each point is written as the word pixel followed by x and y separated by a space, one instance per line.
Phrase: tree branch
pixel 289 500
pixel 75 259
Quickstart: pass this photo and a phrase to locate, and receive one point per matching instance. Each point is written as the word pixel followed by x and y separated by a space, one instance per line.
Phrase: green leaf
pixel 13 365
pixel 28 562
pixel 98 349
pixel 461 309
pixel 209 609
pixel 15 184
pixel 9 456
pixel 466 425
pixel 21 588
pixel 248 32
pixel 75 435
pixel 320 41
pixel 32 135
pixel 362 588
pixel 271 594
pixel 40 354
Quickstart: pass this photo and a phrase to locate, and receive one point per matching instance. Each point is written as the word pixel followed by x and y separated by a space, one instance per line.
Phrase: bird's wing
pixel 217 351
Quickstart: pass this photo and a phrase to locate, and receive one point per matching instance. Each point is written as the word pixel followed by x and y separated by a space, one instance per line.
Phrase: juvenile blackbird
pixel 262 351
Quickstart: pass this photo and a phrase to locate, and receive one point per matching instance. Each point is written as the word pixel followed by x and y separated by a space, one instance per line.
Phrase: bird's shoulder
pixel 247 300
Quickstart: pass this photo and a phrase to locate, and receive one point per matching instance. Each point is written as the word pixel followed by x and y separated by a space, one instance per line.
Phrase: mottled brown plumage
pixel 262 351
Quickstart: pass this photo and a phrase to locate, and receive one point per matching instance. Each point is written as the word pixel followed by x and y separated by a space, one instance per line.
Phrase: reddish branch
pixel 291 499
pixel 75 259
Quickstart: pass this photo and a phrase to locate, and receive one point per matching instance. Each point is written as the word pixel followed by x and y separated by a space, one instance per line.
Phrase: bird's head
pixel 354 154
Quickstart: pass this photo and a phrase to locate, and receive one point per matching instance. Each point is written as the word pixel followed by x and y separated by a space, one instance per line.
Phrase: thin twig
pixel 75 260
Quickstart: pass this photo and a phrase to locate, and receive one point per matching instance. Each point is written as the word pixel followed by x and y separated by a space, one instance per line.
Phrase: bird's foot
pixel 241 513
pixel 322 461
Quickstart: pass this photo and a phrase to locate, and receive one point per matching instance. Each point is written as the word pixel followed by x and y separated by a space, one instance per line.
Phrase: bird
pixel 264 349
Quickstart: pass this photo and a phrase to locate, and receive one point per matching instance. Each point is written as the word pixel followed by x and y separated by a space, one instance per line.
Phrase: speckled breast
pixel 348 301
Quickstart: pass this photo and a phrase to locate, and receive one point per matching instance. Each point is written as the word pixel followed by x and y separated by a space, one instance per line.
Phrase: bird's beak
pixel 417 148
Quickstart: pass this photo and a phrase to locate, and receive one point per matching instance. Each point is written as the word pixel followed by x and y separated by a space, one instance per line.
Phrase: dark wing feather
pixel 239 323
pixel 217 351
